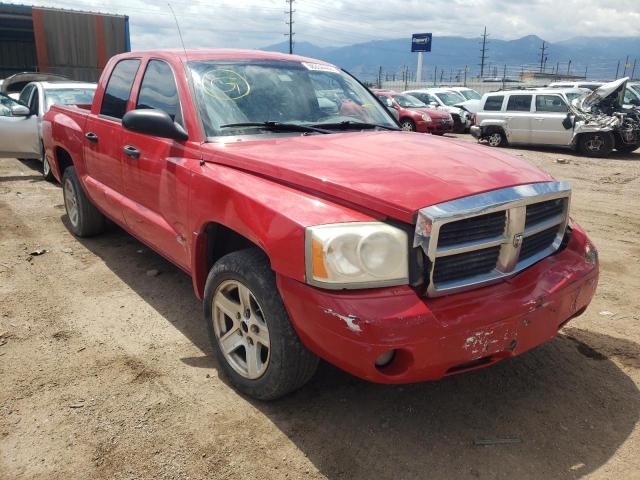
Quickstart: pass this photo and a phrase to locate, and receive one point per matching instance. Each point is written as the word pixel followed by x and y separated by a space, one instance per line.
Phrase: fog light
pixel 385 359
pixel 590 253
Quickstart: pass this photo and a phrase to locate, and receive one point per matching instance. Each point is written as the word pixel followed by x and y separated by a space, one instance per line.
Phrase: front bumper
pixel 437 126
pixel 476 131
pixel 436 337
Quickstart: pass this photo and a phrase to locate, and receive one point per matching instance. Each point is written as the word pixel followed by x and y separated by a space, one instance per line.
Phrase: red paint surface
pixel 100 45
pixel 41 39
pixel 269 190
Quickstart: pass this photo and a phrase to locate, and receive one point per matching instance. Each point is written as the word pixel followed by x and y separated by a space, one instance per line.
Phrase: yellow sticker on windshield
pixel 225 84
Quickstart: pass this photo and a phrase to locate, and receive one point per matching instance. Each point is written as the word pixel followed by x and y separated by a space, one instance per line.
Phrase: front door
pixel 547 127
pixel 18 130
pixel 156 173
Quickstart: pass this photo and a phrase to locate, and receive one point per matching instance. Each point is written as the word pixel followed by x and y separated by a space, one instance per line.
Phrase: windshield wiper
pixel 350 124
pixel 277 126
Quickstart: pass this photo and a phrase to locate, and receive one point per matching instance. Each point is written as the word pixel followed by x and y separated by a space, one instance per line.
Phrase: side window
pixel 158 90
pixel 519 103
pixel 35 102
pixel 493 103
pixel 25 94
pixel 6 103
pixel 550 103
pixel 385 100
pixel 116 95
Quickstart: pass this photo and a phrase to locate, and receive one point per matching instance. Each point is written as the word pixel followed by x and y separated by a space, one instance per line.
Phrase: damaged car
pixel 594 123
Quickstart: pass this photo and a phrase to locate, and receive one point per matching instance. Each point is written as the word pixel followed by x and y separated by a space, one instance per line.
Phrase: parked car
pixel 415 116
pixel 395 256
pixel 13 85
pixel 466 92
pixel 631 97
pixel 446 100
pixel 21 128
pixel 594 123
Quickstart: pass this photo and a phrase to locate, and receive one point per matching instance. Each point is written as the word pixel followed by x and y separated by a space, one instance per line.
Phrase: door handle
pixel 131 151
pixel 92 137
pixel 539 118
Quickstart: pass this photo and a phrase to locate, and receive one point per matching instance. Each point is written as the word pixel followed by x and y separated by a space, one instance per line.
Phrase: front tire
pixel 596 144
pixel 496 138
pixel 85 220
pixel 250 331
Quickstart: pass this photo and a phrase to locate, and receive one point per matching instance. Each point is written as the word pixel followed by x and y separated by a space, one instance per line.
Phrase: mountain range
pixel 598 56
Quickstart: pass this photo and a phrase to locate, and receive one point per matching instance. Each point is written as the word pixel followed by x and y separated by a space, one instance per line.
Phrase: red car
pixel 415 116
pixel 312 226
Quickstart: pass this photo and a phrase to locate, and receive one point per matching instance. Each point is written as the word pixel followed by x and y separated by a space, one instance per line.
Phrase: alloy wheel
pixel 71 202
pixel 495 139
pixel 595 143
pixel 240 329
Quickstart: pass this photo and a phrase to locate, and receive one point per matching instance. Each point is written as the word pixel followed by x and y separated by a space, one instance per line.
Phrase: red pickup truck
pixel 312 226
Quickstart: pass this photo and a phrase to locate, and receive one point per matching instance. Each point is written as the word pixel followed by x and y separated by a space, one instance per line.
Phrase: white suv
pixel 544 117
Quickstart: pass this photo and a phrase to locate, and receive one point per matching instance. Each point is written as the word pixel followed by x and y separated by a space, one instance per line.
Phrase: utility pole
pixel 483 56
pixel 465 75
pixel 617 70
pixel 435 75
pixel 569 67
pixel 543 58
pixel 633 71
pixel 290 23
pixel 504 75
pixel 380 76
pixel 626 64
pixel 586 69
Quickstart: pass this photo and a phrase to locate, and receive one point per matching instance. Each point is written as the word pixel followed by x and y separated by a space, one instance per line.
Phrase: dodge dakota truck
pixel 312 226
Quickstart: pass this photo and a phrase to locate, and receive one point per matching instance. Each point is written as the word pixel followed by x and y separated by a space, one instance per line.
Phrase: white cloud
pixel 257 23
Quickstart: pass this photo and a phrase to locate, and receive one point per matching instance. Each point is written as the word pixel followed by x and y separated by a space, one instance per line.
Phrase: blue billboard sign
pixel 421 42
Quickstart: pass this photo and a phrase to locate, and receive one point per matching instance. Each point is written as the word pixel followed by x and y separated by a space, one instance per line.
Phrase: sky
pixel 259 23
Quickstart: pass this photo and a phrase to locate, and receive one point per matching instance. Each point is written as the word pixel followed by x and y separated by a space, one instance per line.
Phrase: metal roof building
pixel 66 42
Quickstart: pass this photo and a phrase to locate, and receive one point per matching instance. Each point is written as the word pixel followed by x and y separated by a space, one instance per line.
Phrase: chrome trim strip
pixel 514 201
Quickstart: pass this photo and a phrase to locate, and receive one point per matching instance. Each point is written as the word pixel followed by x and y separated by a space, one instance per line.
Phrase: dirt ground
pixel 106 371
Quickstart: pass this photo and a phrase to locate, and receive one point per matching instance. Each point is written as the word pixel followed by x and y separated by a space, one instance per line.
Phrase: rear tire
pixel 407 125
pixel 249 326
pixel 46 167
pixel 85 220
pixel 596 144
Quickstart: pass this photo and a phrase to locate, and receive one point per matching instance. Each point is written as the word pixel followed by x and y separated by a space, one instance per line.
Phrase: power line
pixel 290 23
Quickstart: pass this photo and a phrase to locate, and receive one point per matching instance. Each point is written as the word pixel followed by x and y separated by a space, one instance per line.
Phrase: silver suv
pixel 546 117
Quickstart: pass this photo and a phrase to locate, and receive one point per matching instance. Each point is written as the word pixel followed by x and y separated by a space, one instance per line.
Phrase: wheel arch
pixel 212 242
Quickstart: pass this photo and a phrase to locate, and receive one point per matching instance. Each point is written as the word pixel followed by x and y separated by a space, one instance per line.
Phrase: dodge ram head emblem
pixel 517 240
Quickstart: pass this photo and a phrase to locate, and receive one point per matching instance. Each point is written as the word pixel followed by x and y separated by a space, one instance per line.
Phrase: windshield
pixel 407 101
pixel 68 96
pixel 449 98
pixel 470 94
pixel 277 91
pixel 571 95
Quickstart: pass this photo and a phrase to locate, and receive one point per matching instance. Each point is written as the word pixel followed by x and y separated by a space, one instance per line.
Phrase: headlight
pixel 426 117
pixel 356 255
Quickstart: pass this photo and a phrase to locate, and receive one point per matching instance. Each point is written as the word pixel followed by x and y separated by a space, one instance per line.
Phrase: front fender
pixel 271 215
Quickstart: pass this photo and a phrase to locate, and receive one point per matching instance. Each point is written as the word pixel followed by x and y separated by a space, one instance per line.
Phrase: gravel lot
pixel 106 371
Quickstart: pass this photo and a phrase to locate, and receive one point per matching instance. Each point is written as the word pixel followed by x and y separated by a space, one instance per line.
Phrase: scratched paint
pixel 349 320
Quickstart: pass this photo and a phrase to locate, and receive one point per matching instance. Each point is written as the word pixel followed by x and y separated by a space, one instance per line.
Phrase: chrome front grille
pixel 483 238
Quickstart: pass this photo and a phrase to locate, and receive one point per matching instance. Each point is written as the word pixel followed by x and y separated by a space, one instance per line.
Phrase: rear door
pixel 18 134
pixel 103 141
pixel 518 118
pixel 156 174
pixel 547 128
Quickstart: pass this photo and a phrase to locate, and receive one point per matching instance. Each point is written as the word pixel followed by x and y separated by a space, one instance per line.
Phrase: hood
pixel 393 173
pixel 612 92
pixel 471 106
pixel 16 82
pixel 432 112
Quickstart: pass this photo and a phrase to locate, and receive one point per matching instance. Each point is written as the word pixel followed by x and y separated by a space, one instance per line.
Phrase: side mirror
pixel 634 101
pixel 153 122
pixel 20 111
pixel 568 121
